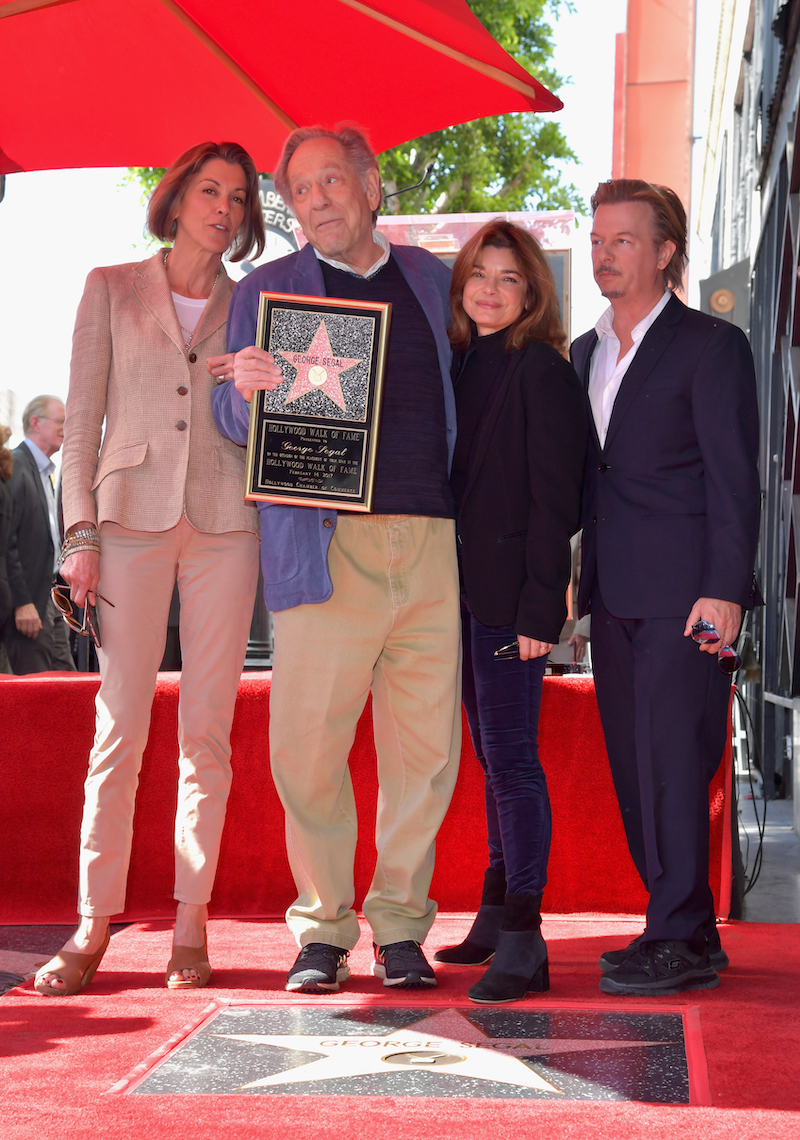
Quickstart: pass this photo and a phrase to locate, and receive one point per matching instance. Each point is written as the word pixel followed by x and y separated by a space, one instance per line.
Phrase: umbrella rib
pixel 486 69
pixel 19 7
pixel 212 46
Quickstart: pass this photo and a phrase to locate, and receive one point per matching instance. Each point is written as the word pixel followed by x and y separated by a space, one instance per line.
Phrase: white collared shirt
pixel 380 240
pixel 46 469
pixel 605 372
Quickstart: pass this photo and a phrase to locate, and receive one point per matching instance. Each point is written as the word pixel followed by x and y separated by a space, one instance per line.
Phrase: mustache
pixel 607 269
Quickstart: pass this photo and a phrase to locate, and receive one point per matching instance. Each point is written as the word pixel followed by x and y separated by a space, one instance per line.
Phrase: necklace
pixel 187 336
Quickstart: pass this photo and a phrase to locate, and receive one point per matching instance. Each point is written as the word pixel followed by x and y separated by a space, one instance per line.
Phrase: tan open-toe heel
pixel 189 958
pixel 74 970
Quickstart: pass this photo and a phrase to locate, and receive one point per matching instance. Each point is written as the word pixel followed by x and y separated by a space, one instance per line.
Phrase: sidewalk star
pixel 442 1042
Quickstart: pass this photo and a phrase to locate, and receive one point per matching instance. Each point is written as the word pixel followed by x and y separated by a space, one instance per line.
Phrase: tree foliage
pixel 507 162
pixel 148 177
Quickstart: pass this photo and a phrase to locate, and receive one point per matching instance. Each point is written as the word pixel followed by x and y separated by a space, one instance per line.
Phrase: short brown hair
pixel 36 407
pixel 540 319
pixel 669 217
pixel 353 142
pixel 172 187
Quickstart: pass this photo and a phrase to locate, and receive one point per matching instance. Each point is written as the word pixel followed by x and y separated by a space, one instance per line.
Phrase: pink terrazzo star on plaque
pixel 318 369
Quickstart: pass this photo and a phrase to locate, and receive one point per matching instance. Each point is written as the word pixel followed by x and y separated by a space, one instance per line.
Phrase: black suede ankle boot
pixel 479 945
pixel 519 965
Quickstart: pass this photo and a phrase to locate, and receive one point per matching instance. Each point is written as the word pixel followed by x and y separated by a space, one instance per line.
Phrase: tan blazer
pixel 161 455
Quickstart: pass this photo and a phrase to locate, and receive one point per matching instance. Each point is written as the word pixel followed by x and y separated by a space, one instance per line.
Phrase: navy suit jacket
pixel 671 502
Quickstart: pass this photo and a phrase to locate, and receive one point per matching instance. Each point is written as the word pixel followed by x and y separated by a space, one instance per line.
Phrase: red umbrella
pixel 134 82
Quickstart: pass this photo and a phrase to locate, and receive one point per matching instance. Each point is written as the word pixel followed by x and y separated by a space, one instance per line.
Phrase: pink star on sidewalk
pixel 318 370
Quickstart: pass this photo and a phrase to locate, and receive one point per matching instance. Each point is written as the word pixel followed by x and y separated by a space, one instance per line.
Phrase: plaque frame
pixel 287 449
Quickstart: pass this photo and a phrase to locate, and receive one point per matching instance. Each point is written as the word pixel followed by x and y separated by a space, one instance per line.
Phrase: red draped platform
pixel 47 723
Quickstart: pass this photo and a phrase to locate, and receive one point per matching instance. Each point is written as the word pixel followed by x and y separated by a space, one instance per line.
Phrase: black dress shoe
pixel 613 958
pixel 716 955
pixel 659 969
pixel 610 959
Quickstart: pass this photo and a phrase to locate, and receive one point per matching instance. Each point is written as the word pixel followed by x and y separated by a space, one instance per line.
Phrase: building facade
pixel 748 220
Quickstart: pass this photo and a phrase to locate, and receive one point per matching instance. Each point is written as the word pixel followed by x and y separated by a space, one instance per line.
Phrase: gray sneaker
pixel 318 969
pixel 403 964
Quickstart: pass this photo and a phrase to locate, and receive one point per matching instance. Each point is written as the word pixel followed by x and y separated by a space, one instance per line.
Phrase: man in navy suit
pixel 670 526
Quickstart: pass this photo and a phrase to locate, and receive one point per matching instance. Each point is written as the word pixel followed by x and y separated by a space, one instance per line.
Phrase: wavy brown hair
pixel 168 194
pixel 540 319
pixel 669 217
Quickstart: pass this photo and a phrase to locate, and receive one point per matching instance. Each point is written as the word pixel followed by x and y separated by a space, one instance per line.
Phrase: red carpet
pixel 60 1058
pixel 47 730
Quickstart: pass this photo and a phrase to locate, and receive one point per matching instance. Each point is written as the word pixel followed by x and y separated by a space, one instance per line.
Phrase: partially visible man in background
pixel 37 638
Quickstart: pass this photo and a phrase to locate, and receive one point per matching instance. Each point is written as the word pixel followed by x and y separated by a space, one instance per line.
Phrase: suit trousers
pixel 216 576
pixel 391 627
pixel 49 650
pixel 664 709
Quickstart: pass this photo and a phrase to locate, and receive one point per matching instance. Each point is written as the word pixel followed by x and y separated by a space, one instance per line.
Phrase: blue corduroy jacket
pixel 295 540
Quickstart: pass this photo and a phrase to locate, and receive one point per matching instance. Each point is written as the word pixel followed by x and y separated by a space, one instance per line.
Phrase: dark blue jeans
pixel 502 701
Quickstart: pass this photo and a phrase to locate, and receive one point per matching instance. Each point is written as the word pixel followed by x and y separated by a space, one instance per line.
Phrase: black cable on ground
pixel 751 754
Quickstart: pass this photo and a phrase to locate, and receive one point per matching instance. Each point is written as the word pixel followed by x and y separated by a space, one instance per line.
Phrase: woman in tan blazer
pixel 152 494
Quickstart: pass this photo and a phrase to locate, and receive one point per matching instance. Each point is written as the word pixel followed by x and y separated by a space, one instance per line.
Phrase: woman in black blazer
pixel 516 479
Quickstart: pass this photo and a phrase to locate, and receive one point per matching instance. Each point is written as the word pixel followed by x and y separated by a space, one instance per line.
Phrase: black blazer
pixel 30 548
pixel 671 503
pixel 521 502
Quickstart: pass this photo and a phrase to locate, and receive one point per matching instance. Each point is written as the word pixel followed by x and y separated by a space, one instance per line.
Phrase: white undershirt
pixel 189 311
pixel 605 373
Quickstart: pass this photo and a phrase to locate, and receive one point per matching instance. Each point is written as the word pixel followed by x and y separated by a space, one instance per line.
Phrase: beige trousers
pixel 392 627
pixel 216 575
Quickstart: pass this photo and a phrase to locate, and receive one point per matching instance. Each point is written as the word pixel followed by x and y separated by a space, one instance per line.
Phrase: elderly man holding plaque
pixel 361 602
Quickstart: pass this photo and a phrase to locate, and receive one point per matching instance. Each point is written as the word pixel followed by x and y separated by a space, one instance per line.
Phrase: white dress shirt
pixel 46 469
pixel 606 373
pixel 379 239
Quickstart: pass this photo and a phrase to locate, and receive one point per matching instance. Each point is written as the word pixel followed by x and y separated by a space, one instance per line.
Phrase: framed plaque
pixel 313 440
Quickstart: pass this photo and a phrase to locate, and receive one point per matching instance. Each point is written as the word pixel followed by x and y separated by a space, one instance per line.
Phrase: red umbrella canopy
pixel 136 82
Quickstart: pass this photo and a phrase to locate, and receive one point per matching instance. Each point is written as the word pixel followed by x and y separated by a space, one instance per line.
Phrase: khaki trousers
pixel 392 627
pixel 216 575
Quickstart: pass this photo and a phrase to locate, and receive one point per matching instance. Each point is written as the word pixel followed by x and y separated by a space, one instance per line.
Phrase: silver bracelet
pixel 74 547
